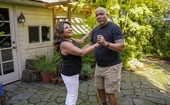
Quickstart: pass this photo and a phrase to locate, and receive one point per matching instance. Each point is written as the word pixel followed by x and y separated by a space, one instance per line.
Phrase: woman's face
pixel 67 30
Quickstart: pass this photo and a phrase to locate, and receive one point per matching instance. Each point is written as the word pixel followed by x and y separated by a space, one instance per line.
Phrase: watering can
pixel 1 89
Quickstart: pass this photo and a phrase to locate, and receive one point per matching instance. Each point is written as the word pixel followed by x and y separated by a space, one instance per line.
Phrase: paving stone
pixel 92 99
pixel 160 95
pixel 52 103
pixel 42 103
pixel 126 78
pixel 134 78
pixel 143 87
pixel 60 99
pixel 79 101
pixel 139 94
pixel 124 101
pixel 91 88
pixel 35 99
pixel 155 100
pixel 138 90
pixel 62 94
pixel 167 100
pixel 10 94
pixel 136 84
pixel 21 102
pixel 11 101
pixel 119 95
pixel 90 93
pixel 10 87
pixel 55 95
pixel 47 96
pixel 22 96
pixel 135 90
pixel 83 88
pixel 142 102
pixel 83 96
pixel 128 92
pixel 126 86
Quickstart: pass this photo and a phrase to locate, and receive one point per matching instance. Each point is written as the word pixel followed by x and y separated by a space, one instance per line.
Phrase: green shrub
pixel 87 71
pixel 90 57
pixel 45 65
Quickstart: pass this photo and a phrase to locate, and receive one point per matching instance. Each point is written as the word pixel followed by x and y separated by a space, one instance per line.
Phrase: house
pixel 23 39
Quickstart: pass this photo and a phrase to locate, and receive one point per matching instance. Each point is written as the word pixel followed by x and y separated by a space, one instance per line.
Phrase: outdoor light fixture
pixel 21 18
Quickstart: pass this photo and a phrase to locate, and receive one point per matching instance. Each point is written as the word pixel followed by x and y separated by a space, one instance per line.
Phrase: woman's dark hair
pixel 58 34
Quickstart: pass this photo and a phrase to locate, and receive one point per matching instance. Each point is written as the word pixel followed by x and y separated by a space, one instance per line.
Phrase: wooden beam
pixel 58 3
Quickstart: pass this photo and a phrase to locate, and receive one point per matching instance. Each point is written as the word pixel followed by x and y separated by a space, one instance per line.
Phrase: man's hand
pixel 101 40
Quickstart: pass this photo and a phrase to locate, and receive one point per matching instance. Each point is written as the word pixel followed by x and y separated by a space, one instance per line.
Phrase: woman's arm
pixel 83 39
pixel 68 48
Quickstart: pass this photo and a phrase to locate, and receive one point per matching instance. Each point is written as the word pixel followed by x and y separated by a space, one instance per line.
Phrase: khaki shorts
pixel 108 78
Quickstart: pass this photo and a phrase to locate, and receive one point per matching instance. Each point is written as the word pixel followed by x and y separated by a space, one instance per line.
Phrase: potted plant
pixel 58 60
pixel 54 75
pixel 46 67
pixel 86 71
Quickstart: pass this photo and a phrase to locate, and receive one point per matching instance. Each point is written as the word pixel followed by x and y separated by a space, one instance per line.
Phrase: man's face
pixel 101 16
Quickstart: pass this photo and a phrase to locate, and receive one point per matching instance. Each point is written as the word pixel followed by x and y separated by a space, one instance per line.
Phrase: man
pixel 107 55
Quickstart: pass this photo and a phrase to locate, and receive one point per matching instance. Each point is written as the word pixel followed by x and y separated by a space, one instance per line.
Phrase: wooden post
pixel 69 14
pixel 54 18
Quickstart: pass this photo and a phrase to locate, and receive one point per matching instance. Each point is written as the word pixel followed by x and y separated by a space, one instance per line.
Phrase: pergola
pixel 60 5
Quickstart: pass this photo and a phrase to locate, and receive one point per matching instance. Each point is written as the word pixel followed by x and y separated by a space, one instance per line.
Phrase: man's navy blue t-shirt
pixel 103 55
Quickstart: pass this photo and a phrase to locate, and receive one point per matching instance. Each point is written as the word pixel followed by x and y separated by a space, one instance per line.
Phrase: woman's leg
pixel 72 85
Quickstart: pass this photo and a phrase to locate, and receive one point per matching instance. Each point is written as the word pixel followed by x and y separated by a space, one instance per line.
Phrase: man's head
pixel 101 16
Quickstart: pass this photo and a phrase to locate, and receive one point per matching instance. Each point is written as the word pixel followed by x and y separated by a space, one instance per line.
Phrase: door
pixel 8 56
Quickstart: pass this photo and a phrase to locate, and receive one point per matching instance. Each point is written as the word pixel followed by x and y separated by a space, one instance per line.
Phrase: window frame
pixel 40 34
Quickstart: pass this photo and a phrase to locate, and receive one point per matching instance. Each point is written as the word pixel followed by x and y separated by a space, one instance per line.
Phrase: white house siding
pixel 34 16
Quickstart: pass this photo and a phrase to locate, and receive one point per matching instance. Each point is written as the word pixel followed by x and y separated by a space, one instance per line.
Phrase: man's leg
pixel 102 96
pixel 112 82
pixel 99 84
pixel 112 99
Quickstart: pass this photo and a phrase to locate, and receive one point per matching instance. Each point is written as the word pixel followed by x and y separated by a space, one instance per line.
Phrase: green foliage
pixel 43 64
pixel 2 33
pixel 87 70
pixel 91 21
pixel 90 57
pixel 58 62
pixel 57 57
pixel 141 22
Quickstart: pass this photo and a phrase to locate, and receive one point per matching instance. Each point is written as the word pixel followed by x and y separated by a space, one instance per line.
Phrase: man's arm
pixel 118 45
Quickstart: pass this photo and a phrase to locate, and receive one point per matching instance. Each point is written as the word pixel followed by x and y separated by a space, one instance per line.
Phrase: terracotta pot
pixel 60 80
pixel 46 77
pixel 3 100
pixel 54 80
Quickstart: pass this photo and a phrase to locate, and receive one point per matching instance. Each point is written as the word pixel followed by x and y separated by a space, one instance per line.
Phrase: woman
pixel 71 58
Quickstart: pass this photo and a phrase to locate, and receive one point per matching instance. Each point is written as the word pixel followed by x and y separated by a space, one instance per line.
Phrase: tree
pixel 142 23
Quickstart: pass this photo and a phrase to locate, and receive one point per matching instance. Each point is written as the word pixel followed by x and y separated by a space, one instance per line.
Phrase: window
pixel 38 34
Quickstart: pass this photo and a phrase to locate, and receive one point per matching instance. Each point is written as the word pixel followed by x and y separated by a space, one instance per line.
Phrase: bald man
pixel 108 60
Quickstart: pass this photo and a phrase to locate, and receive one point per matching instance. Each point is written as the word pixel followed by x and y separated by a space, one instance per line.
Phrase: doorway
pixel 8 57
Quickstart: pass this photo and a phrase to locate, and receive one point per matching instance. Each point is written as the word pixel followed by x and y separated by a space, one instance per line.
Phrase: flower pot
pixel 54 80
pixel 60 80
pixel 46 77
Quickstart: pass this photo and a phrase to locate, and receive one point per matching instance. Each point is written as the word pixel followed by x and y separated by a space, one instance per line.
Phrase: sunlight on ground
pixel 157 75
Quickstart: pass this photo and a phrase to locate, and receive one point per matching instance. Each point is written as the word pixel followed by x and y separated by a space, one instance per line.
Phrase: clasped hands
pixel 102 41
